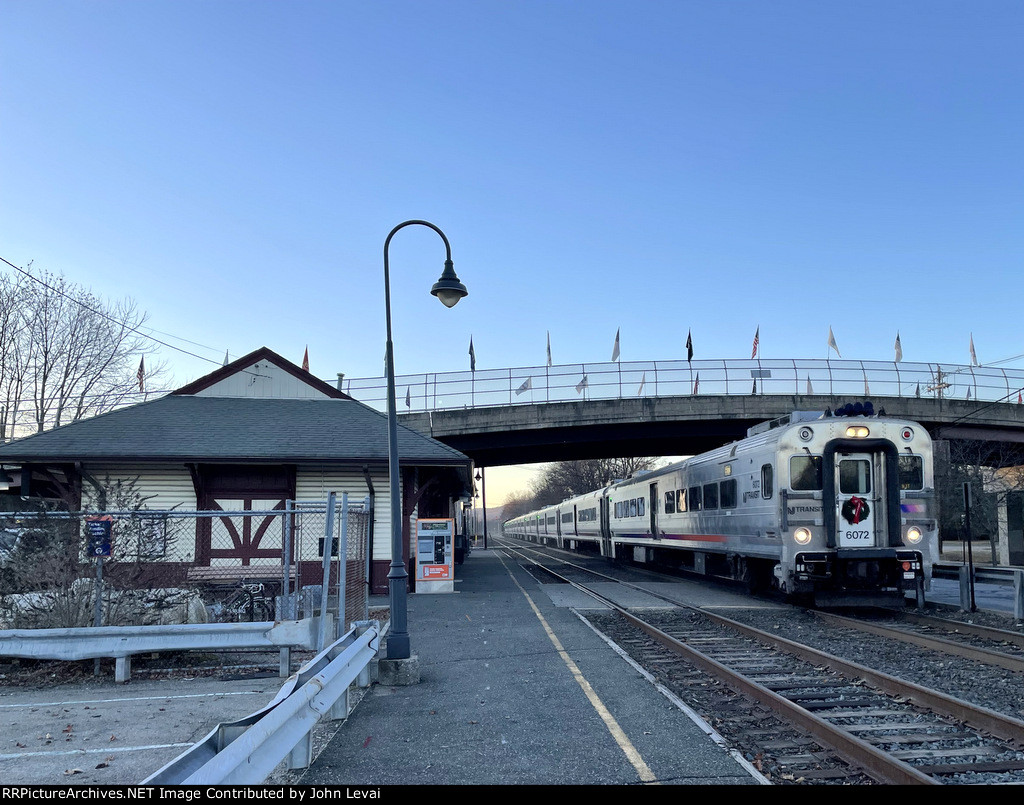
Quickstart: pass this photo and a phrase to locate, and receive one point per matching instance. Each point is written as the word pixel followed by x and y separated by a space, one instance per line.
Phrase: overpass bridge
pixel 657 408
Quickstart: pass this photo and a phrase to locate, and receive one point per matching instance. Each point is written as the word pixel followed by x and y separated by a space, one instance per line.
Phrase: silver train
pixel 836 508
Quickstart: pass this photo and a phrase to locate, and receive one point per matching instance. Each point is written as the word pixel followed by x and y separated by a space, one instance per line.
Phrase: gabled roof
pixel 185 428
pixel 243 363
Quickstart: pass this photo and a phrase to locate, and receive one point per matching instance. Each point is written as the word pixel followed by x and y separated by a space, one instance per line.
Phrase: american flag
pixel 141 374
pixel 757 340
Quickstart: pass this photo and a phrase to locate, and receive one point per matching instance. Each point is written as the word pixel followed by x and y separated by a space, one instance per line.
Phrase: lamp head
pixel 448 288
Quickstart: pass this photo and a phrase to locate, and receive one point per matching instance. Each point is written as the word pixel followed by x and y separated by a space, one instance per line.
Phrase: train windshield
pixel 805 473
pixel 854 476
pixel 911 472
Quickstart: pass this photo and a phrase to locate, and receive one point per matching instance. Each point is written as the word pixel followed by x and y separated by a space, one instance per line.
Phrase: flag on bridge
pixel 643 380
pixel 696 384
pixel 527 385
pixel 757 340
pixel 810 390
pixel 867 391
pixel 615 349
pixel 305 361
pixel 689 346
pixel 472 356
pixel 141 374
pixel 832 341
pixel 408 396
pixel 549 347
pixel 974 357
pixel 899 348
pixel 582 384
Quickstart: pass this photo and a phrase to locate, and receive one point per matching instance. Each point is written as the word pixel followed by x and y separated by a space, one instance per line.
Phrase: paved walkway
pixel 516 689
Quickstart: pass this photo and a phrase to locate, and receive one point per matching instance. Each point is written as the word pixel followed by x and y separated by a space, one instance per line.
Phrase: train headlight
pixel 806 434
pixel 914 534
pixel 857 431
pixel 802 536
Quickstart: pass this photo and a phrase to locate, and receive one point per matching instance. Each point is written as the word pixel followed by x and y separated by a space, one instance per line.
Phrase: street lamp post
pixel 449 290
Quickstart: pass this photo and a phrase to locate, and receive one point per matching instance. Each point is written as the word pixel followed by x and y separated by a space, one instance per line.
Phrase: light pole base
pixel 399 672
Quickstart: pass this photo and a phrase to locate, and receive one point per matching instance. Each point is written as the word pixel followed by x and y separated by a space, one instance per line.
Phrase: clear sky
pixel 643 166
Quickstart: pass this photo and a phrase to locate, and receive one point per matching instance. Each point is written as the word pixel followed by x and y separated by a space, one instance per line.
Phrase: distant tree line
pixel 565 479
pixel 65 353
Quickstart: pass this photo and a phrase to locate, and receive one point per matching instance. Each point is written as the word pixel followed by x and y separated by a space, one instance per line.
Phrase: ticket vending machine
pixel 435 556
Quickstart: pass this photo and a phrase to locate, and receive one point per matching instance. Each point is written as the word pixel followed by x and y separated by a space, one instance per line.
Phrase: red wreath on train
pixel 855 510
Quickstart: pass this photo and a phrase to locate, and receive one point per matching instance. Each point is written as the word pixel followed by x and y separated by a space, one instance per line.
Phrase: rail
pixel 121 642
pixel 583 381
pixel 245 752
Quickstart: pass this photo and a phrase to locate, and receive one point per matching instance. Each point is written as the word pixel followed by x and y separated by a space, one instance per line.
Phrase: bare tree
pixel 565 479
pixel 65 353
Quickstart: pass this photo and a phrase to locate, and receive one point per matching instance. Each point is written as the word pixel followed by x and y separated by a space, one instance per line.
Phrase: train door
pixel 653 509
pixel 606 529
pixel 856 500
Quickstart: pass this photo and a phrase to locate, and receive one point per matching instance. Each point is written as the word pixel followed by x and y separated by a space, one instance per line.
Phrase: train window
pixel 696 502
pixel 670 503
pixel 618 510
pixel 805 473
pixel 911 472
pixel 640 506
pixel 854 476
pixel 566 518
pixel 680 500
pixel 710 496
pixel 632 508
pixel 728 493
pixel 767 481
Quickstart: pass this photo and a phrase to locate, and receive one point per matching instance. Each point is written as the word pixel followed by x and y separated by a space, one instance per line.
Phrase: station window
pixel 670 503
pixel 696 502
pixel 728 493
pixel 710 496
pixel 805 473
pixel 767 481
pixel 911 472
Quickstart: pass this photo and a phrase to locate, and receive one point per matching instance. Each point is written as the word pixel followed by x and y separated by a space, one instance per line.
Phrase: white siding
pixel 313 483
pixel 165 486
pixel 262 379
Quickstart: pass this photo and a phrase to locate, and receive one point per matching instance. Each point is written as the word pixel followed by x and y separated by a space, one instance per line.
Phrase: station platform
pixel 516 689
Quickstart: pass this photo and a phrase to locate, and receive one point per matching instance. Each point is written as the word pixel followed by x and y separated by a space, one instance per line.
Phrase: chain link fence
pixel 146 567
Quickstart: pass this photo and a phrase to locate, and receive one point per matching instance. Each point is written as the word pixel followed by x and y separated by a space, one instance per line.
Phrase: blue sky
pixel 652 167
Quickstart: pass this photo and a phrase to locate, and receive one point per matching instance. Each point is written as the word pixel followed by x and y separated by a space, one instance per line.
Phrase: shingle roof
pixel 188 428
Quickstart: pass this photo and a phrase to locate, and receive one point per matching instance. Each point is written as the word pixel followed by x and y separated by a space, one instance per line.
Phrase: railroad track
pixel 805 716
pixel 1000 647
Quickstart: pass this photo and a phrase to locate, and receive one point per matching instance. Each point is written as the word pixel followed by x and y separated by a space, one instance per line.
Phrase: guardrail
pixel 245 752
pixel 1003 576
pixel 583 381
pixel 121 642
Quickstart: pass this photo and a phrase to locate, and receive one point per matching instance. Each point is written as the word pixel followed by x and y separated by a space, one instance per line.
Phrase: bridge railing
pixel 590 381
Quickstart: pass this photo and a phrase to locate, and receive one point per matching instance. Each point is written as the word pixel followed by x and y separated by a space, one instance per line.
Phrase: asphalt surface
pixel 515 688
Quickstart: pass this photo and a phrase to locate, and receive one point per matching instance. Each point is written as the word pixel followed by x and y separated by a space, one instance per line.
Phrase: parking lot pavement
pixel 101 733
